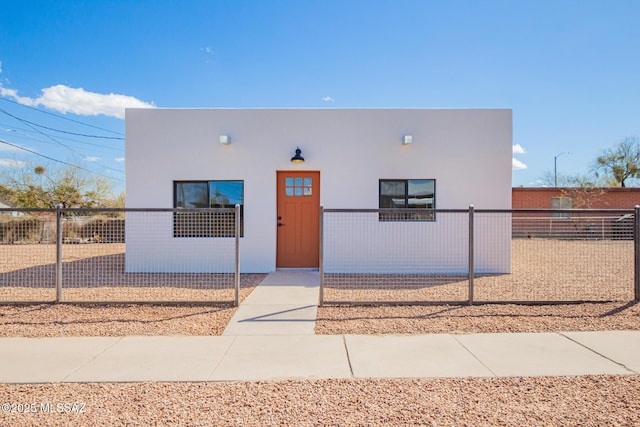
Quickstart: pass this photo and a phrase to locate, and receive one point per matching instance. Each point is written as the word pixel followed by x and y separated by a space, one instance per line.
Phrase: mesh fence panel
pixel 27 256
pixel 556 256
pixel 381 256
pixel 406 256
pixel 561 256
pixel 167 256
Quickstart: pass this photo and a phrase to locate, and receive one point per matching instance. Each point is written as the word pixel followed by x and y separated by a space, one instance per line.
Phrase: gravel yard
pixel 542 401
pixel 539 401
pixel 58 320
pixel 541 270
pixel 477 319
pixel 96 272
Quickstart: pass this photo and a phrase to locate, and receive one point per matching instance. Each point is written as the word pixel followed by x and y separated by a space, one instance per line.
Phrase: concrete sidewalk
pixel 249 358
pixel 272 337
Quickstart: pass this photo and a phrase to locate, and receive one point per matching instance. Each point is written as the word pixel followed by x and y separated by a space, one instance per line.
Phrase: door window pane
pixel 298 186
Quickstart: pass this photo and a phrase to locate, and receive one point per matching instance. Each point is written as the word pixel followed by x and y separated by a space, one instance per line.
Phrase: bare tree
pixel 577 180
pixel 47 187
pixel 583 196
pixel 621 162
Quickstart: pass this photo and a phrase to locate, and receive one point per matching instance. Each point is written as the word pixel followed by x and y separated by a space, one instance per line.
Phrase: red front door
pixel 298 219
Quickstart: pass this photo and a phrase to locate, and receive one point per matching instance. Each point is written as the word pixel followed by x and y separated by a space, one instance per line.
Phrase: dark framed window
pixel 205 195
pixel 407 194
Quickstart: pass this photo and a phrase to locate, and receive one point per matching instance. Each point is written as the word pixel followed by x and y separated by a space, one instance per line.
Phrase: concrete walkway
pixel 249 358
pixel 284 303
pixel 272 337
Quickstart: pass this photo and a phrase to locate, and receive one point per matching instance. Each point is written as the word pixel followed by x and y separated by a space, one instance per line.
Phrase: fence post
pixel 237 255
pixel 471 262
pixel 636 252
pixel 58 254
pixel 321 255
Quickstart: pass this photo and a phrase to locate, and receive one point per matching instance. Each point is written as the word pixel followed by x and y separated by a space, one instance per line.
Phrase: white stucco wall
pixel 468 152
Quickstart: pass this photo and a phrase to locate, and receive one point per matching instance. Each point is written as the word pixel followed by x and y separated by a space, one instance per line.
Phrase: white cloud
pixel 12 93
pixel 65 99
pixel 92 158
pixel 9 163
pixel 517 165
pixel 538 182
pixel 518 149
pixel 327 99
pixel 119 159
pixel 207 49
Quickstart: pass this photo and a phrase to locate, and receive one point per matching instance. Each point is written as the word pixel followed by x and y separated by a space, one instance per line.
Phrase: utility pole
pixel 555 167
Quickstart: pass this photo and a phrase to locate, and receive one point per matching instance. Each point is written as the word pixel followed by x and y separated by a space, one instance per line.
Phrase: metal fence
pixel 409 256
pixel 120 255
pixel 478 256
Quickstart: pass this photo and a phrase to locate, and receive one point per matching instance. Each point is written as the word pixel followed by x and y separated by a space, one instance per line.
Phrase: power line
pixel 52 138
pixel 59 161
pixel 67 132
pixel 27 134
pixel 61 117
pixel 40 132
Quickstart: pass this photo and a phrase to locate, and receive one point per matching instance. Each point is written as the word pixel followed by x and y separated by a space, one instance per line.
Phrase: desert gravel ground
pixel 542 401
pixel 539 401
pixel 60 320
pixel 541 270
pixel 96 272
pixel 488 318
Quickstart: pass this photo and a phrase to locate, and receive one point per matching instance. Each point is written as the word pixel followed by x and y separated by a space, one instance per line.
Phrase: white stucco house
pixel 353 158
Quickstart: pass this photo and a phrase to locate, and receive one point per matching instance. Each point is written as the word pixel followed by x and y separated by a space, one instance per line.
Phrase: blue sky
pixel 569 69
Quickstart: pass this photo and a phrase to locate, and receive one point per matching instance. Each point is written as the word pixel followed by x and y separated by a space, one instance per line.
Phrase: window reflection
pixel 207 194
pixel 407 194
pixel 191 195
pixel 225 194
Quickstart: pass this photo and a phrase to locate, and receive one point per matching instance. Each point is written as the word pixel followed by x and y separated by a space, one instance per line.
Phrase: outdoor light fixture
pixel 297 158
pixel 224 139
pixel 407 139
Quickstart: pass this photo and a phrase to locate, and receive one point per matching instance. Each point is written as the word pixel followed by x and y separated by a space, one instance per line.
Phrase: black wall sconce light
pixel 297 158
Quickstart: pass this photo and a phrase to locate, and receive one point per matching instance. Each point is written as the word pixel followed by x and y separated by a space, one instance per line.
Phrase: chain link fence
pixel 120 255
pixel 479 256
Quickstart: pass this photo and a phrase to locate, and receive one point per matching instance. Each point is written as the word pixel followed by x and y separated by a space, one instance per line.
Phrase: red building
pixel 601 225
pixel 575 198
